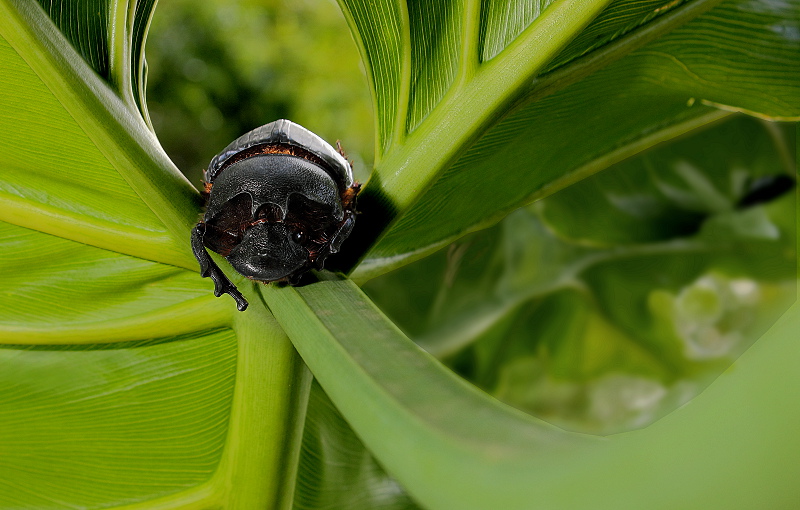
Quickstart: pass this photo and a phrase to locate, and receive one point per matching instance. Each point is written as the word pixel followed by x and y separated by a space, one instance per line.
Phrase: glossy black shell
pixel 286 132
pixel 273 179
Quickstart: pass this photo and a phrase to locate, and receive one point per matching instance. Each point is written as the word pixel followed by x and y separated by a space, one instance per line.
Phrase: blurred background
pixel 599 308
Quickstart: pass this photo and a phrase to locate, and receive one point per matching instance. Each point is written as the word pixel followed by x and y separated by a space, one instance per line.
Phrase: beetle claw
pixel 209 269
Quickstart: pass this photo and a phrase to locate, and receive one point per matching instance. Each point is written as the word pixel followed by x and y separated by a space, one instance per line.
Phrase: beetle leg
pixel 294 279
pixel 345 227
pixel 209 268
pixel 336 240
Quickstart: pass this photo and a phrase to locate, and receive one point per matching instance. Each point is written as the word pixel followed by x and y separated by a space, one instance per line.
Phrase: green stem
pixel 452 446
pixel 197 314
pixel 119 28
pixel 470 37
pixel 108 235
pixel 259 465
pixel 400 129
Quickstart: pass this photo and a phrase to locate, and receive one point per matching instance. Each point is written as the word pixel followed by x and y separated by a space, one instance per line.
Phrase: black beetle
pixel 279 200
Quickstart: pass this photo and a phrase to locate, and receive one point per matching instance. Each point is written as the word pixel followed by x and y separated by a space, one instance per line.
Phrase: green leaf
pixel 82 427
pixel 336 470
pixel 607 320
pixel 452 446
pixel 649 84
pixel 452 124
pixel 71 90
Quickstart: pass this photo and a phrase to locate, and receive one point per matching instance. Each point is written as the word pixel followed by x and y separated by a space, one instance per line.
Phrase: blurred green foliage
pixel 217 69
pixel 617 299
